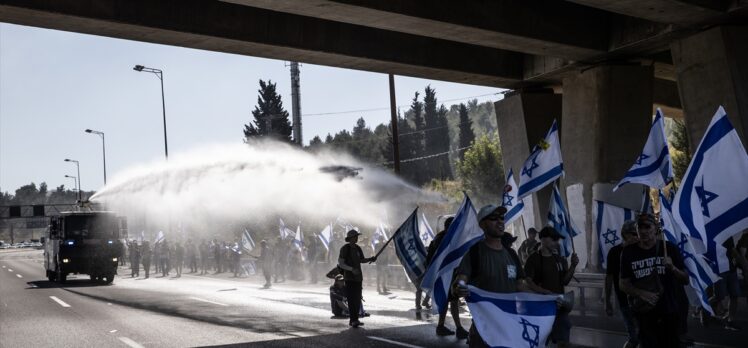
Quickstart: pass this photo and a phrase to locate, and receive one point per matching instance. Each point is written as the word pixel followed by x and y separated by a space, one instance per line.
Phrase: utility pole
pixel 296 102
pixel 395 134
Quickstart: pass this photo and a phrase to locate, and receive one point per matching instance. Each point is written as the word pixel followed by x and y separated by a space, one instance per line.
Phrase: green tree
pixel 680 149
pixel 466 128
pixel 480 170
pixel 269 107
pixel 436 136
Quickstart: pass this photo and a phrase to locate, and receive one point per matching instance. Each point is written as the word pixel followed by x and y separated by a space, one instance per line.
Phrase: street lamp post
pixel 103 148
pixel 78 167
pixel 75 182
pixel 160 75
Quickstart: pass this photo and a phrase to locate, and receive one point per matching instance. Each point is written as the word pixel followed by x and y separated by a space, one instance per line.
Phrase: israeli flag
pixel 558 218
pixel 463 233
pixel 409 249
pixel 285 232
pixel 513 204
pixel 700 274
pixel 375 238
pixel 248 243
pixel 159 237
pixel 326 236
pixel 514 319
pixel 141 237
pixel 712 202
pixel 427 234
pixel 608 222
pixel 653 166
pixel 298 242
pixel 544 164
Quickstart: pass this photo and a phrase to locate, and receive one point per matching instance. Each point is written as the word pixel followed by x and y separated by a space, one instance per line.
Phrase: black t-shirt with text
pixel 646 270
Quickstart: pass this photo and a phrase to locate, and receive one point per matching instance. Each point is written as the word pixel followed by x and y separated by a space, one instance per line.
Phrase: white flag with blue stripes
pixel 653 166
pixel 463 233
pixel 700 274
pixel 427 234
pixel 512 320
pixel 159 237
pixel 608 222
pixel 712 202
pixel 510 200
pixel 285 232
pixel 248 243
pixel 544 164
pixel 409 248
pixel 558 218
pixel 326 236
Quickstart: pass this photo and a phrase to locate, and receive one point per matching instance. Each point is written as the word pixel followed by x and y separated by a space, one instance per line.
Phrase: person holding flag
pixel 630 236
pixel 652 275
pixel 350 258
pixel 548 273
pixel 488 265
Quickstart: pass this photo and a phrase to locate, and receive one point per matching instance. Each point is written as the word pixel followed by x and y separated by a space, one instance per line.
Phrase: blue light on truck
pixel 71 242
pixel 110 242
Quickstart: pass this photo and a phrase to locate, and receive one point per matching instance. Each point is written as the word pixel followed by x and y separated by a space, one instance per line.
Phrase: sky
pixel 55 84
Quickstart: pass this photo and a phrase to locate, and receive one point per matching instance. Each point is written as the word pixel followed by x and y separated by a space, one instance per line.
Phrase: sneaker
pixel 355 324
pixel 730 326
pixel 444 331
pixel 461 333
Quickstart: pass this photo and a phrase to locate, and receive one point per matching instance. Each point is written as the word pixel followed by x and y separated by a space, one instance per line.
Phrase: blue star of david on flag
pixel 510 201
pixel 705 197
pixel 533 164
pixel 641 158
pixel 611 237
pixel 530 332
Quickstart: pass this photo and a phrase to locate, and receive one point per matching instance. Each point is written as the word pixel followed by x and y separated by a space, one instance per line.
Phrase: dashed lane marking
pixel 130 342
pixel 10 270
pixel 209 301
pixel 393 342
pixel 18 275
pixel 60 302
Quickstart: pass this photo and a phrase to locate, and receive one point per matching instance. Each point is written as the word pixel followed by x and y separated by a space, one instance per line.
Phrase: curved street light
pixel 160 74
pixel 78 167
pixel 103 147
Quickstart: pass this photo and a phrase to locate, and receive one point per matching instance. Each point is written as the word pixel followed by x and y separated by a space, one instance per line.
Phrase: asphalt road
pixel 192 311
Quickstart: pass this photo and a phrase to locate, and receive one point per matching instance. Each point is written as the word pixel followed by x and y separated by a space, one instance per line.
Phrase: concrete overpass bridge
pixel 599 66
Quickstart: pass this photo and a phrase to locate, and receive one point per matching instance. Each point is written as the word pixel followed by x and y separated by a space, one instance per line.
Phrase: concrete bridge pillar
pixel 523 118
pixel 607 113
pixel 712 70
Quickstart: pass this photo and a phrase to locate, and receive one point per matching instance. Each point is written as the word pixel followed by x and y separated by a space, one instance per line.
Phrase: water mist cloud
pixel 260 182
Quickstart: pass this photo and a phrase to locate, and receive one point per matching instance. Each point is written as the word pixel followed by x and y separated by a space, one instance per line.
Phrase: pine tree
pixel 269 106
pixel 466 129
pixel 436 136
pixel 682 154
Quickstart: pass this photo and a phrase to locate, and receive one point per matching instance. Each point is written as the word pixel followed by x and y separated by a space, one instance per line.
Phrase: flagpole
pixel 571 238
pixel 393 236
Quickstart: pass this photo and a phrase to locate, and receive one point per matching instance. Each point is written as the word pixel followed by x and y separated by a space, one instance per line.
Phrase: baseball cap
pixel 490 209
pixel 629 227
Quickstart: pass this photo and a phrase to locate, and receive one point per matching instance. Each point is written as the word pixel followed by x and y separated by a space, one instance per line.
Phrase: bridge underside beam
pixel 232 28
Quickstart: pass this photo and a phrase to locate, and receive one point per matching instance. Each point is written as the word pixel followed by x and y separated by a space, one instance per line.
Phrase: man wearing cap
pixel 489 265
pixel 653 275
pixel 547 273
pixel 630 236
pixel 350 259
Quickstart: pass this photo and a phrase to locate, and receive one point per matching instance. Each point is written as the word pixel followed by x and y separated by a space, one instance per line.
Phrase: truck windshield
pixel 91 227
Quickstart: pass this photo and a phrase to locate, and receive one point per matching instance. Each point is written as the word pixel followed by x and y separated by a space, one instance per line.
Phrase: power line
pixel 429 156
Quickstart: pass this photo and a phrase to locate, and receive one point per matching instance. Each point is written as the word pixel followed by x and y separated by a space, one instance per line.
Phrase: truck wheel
pixel 51 276
pixel 109 279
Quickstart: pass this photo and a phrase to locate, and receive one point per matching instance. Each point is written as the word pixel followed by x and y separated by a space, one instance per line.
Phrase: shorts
pixel 728 285
pixel 561 328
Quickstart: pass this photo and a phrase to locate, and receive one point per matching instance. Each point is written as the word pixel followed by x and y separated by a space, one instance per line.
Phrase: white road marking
pixel 394 342
pixel 10 270
pixel 113 331
pixel 130 342
pixel 208 301
pixel 18 275
pixel 3 266
pixel 61 302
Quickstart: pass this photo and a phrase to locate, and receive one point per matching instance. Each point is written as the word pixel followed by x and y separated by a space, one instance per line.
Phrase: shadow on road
pixel 72 283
